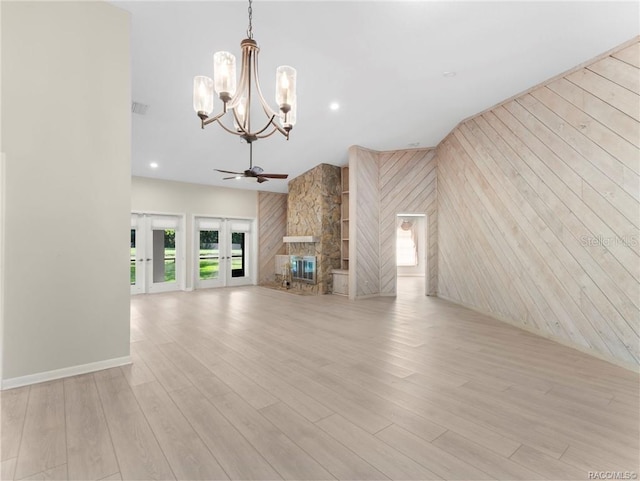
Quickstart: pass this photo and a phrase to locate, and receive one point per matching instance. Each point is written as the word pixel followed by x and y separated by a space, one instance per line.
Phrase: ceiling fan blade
pixel 228 178
pixel 275 176
pixel 228 172
pixel 261 179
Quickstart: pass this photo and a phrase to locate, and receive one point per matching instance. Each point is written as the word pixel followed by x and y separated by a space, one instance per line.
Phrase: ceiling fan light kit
pixel 236 97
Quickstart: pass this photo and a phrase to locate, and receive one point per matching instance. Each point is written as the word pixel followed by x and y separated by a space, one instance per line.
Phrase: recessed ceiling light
pixel 334 106
pixel 413 144
pixel 238 177
pixel 448 74
pixel 153 165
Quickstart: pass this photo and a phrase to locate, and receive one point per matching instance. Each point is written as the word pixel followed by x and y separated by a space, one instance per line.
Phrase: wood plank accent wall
pixel 381 185
pixel 407 183
pixel 272 227
pixel 364 248
pixel 538 209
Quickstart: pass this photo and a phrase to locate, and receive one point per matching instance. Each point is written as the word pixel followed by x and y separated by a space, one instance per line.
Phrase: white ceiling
pixel 382 61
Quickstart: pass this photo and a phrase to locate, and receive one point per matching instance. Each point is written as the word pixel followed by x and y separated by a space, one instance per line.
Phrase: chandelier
pixel 237 98
pixel 406 225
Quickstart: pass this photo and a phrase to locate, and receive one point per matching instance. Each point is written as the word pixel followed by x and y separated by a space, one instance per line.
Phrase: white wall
pixel 66 134
pixel 2 270
pixel 168 197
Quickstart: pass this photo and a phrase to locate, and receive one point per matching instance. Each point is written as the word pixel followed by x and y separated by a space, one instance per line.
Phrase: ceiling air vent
pixel 138 108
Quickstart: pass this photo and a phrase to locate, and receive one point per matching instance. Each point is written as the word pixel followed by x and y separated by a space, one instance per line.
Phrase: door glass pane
pixel 133 257
pixel 164 255
pixel 209 254
pixel 238 257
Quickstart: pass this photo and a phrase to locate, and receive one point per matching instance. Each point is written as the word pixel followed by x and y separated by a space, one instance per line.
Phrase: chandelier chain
pixel 250 28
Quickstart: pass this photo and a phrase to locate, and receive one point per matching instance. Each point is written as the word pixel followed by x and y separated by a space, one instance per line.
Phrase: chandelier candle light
pixel 237 99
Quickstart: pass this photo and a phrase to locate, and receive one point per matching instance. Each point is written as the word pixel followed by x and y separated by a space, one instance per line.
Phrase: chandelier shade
pixel 203 94
pixel 285 87
pixel 224 71
pixel 237 96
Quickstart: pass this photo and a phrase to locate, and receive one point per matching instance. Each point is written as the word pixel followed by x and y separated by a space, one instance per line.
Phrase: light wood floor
pixel 253 383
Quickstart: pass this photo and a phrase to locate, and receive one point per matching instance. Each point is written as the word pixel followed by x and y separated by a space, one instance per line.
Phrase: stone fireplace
pixel 313 225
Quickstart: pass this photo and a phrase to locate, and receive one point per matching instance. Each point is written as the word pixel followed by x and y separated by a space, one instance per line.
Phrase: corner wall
pixel 382 185
pixel 539 209
pixel 408 184
pixel 364 223
pixel 66 132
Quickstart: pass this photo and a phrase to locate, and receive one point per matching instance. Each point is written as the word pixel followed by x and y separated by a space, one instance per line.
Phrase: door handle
pixel 140 260
pixel 149 260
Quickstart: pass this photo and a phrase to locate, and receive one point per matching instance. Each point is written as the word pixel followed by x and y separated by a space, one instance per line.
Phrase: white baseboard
pixel 591 352
pixel 64 372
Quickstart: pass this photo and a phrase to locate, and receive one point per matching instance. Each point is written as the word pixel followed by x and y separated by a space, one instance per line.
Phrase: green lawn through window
pixel 209 264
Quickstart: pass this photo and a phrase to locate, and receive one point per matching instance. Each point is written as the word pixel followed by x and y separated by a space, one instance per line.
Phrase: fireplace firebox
pixel 303 269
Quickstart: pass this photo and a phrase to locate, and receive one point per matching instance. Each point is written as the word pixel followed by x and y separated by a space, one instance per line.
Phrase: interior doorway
pixel 411 253
pixel 157 253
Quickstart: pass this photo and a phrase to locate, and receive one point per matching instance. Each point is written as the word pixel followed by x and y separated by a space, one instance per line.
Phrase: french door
pixel 157 257
pixel 223 252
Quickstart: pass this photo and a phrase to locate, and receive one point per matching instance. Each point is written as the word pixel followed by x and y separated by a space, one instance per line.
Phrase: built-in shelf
pixel 300 238
pixel 341 276
pixel 344 248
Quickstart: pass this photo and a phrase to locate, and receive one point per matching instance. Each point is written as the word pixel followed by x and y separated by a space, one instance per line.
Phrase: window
pixel 406 248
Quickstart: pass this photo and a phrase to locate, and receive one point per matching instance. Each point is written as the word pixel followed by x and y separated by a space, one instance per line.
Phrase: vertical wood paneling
pixel 272 227
pixel 407 183
pixel 538 209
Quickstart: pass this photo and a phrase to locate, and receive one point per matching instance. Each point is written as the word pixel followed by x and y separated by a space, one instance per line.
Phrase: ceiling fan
pixel 253 172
